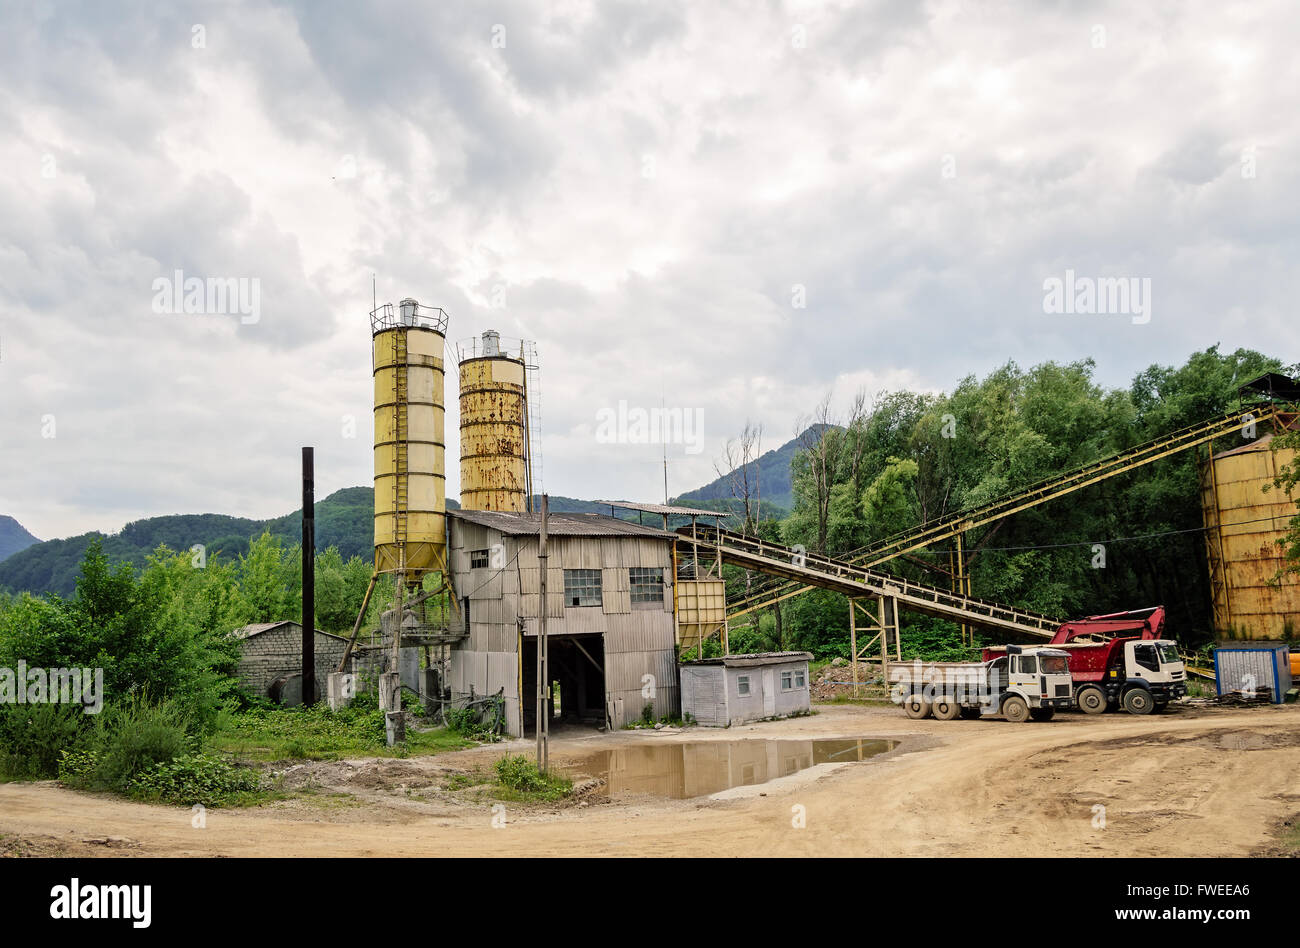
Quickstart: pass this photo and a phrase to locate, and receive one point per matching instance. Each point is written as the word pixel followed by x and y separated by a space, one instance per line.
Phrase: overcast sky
pixel 730 207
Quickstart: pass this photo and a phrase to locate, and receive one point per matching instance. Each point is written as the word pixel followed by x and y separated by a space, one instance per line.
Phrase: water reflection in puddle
pixel 699 768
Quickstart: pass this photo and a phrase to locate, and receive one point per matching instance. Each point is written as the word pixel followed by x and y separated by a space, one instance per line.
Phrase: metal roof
pixel 257 628
pixel 669 510
pixel 753 658
pixel 559 524
pixel 1275 385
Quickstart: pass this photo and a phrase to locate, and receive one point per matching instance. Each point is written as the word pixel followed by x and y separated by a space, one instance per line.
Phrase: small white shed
pixel 733 689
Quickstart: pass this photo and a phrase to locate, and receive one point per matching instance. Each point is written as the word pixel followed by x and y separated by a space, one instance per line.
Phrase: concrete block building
pixel 609 608
pixel 271 653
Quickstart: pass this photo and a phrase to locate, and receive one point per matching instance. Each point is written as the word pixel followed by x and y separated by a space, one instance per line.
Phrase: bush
pixel 194 778
pixel 520 773
pixel 33 736
pixel 129 739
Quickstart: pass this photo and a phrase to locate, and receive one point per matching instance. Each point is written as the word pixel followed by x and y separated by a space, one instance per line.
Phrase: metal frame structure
pixel 954 525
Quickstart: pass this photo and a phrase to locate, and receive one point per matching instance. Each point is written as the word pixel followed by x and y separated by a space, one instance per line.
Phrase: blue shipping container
pixel 1253 669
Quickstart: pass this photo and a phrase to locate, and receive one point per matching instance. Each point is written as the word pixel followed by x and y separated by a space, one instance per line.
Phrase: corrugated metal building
pixel 1262 670
pixel 733 689
pixel 609 615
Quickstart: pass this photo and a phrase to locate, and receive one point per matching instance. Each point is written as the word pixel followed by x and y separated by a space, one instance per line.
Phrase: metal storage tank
pixel 494 448
pixel 410 462
pixel 1243 524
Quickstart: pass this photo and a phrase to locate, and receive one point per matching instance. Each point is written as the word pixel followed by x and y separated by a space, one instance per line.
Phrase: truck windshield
pixel 1168 654
pixel 1055 665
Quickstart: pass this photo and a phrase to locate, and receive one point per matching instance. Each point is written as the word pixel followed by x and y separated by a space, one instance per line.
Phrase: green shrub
pixel 519 773
pixel 33 736
pixel 194 778
pixel 131 738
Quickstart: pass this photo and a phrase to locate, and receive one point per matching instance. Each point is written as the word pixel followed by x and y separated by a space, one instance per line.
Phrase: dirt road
pixel 1191 783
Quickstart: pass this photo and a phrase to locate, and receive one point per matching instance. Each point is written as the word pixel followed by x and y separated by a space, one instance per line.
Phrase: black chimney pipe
pixel 308 576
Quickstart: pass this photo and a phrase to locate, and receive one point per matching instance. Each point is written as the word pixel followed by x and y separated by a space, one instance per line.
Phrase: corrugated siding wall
pixel 638 640
pixel 1248 605
pixel 704 694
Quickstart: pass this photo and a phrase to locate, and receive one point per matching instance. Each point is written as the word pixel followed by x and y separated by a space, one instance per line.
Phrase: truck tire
pixel 916 707
pixel 1138 701
pixel 945 709
pixel 1042 714
pixel 1091 699
pixel 1015 709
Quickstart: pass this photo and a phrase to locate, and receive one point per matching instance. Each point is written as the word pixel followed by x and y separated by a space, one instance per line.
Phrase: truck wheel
pixel 1091 699
pixel 914 706
pixel 1015 709
pixel 1138 701
pixel 1042 714
pixel 945 709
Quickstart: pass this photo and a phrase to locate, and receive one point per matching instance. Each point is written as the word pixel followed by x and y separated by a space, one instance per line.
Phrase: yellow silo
pixel 410 462
pixel 1243 523
pixel 494 446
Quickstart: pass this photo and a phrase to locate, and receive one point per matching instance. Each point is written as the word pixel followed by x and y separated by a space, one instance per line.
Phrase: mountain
pixel 772 470
pixel 13 538
pixel 345 519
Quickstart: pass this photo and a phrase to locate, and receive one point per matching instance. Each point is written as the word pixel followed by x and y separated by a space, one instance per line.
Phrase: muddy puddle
pixel 699 768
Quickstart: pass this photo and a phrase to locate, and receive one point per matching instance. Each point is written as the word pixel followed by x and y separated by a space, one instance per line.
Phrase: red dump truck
pixel 1120 660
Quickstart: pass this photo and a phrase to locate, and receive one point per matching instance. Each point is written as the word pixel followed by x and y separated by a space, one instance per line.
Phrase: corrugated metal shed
pixel 1253 669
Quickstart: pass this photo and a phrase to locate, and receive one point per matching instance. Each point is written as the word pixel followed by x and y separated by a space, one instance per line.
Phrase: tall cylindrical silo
pixel 1243 523
pixel 410 462
pixel 493 429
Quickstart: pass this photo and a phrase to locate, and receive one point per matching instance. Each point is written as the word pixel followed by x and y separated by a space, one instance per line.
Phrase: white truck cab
pixel 1040 677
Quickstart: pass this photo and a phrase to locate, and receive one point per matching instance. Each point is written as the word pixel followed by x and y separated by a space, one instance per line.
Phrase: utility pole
pixel 543 664
pixel 308 576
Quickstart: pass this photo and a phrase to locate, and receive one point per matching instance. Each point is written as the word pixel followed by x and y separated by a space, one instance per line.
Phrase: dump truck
pixel 1119 660
pixel 1021 684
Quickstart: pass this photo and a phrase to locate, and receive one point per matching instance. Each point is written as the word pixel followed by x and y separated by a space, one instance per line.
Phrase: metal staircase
pixel 808 570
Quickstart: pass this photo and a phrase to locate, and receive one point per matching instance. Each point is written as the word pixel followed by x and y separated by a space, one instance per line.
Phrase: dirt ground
pixel 1206 782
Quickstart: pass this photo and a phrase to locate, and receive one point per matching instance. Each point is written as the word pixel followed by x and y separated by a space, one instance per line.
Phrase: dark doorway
pixel 577 681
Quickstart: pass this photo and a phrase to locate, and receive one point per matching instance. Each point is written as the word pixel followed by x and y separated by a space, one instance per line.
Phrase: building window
pixel 787 681
pixel 647 584
pixel 478 559
pixel 582 587
pixel 798 679
pixel 742 685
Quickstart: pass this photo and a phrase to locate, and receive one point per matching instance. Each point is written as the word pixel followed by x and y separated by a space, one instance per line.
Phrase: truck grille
pixel 1062 691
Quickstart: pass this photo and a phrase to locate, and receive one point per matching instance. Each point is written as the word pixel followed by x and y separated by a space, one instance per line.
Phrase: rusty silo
pixel 495 455
pixel 1243 524
pixel 410 462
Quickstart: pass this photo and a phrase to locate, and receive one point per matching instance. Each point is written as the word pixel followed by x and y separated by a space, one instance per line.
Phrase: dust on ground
pixel 1190 782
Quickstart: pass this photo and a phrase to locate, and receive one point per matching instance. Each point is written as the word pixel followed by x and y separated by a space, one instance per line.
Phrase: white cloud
pixel 647 183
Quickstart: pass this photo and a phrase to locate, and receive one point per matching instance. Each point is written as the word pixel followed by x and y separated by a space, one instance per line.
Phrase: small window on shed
pixel 799 679
pixel 582 587
pixel 787 681
pixel 742 685
pixel 478 559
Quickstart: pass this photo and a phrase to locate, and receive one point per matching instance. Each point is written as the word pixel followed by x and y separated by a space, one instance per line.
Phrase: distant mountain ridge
pixel 14 537
pixel 770 472
pixel 345 520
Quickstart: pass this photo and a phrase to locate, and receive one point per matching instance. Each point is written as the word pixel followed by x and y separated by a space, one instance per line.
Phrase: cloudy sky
pixel 729 208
